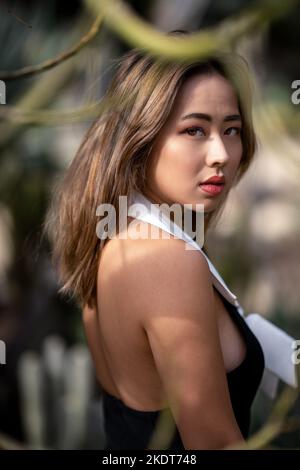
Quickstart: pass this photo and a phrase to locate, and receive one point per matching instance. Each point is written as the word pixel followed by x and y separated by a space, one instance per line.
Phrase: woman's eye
pixel 191 130
pixel 236 131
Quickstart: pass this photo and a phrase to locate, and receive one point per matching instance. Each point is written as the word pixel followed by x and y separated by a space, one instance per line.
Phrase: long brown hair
pixel 112 159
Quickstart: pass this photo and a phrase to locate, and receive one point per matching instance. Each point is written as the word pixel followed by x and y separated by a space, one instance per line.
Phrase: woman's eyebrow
pixel 207 117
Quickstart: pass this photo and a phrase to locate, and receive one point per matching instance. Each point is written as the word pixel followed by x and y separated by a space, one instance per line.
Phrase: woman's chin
pixel 209 207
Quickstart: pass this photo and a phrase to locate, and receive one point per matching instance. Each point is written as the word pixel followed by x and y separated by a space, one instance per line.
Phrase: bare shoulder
pixel 170 275
pixel 166 275
pixel 157 270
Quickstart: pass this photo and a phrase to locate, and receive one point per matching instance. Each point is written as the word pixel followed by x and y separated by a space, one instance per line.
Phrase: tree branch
pixel 50 63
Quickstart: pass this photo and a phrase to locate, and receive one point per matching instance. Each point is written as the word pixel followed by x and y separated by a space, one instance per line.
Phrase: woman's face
pixel 201 139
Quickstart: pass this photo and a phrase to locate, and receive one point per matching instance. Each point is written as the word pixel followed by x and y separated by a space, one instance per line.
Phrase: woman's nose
pixel 216 151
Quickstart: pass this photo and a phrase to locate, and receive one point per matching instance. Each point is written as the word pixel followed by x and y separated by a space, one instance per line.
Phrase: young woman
pixel 168 344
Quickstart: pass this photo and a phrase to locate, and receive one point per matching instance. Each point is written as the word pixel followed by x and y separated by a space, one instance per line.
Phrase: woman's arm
pixel 178 315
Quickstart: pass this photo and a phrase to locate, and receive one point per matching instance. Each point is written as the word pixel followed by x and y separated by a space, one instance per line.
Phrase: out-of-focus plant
pixel 138 33
pixel 56 390
pixel 50 63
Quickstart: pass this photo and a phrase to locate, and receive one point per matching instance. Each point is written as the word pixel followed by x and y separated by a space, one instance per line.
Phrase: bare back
pixel 124 362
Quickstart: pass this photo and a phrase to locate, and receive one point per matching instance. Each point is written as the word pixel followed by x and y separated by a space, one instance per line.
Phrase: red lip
pixel 214 180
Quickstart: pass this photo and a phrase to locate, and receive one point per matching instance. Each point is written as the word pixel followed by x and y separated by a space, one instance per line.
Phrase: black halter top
pixel 128 428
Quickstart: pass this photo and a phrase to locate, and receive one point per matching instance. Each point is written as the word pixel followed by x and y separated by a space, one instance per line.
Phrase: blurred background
pixel 49 397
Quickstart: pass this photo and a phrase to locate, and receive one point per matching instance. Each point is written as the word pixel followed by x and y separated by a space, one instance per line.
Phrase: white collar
pixel 276 344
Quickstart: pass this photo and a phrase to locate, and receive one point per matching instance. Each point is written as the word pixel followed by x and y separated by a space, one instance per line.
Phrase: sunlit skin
pixel 189 150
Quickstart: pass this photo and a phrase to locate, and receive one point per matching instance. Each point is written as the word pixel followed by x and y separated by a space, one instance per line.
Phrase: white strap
pixel 276 344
